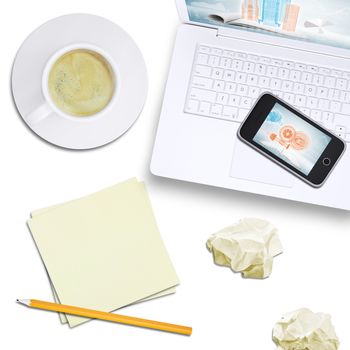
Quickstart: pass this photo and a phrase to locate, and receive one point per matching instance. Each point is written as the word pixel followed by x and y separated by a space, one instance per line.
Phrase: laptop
pixel 227 53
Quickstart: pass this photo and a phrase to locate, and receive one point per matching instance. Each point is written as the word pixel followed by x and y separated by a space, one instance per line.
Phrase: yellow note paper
pixel 62 316
pixel 113 252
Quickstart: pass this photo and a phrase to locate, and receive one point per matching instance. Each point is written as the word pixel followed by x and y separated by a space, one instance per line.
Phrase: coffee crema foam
pixel 81 83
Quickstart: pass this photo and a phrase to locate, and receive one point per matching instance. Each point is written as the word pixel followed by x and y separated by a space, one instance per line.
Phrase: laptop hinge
pixel 226 32
pixel 204 25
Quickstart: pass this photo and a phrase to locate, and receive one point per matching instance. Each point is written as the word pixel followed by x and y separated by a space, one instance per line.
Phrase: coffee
pixel 81 83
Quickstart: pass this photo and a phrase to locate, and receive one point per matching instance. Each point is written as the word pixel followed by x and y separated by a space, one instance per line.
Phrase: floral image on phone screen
pixel 291 139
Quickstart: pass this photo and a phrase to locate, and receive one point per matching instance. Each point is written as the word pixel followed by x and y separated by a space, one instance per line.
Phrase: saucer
pixel 131 80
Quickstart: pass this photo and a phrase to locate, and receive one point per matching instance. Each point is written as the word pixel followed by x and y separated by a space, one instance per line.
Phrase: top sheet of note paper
pixel 113 252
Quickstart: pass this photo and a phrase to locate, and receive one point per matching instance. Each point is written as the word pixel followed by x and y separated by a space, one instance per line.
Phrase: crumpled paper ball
pixel 247 247
pixel 304 330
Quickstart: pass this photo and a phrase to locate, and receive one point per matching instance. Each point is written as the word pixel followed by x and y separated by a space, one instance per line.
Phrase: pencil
pixel 106 316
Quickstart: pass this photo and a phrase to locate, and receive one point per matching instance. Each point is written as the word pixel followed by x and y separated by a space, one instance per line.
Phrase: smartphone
pixel 292 140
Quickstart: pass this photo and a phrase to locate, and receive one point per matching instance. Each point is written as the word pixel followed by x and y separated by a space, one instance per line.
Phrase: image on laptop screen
pixel 319 21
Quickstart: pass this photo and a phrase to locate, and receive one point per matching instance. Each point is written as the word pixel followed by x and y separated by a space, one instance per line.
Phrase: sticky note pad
pixel 62 316
pixel 103 251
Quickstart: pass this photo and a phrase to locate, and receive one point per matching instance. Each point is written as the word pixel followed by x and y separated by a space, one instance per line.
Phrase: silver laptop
pixel 229 52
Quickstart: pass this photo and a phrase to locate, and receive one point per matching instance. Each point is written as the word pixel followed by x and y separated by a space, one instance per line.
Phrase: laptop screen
pixel 318 21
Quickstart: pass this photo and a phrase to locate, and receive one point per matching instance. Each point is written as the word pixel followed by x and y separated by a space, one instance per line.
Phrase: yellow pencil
pixel 106 316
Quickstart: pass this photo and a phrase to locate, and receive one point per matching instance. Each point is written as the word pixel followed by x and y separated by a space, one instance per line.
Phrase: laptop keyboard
pixel 225 84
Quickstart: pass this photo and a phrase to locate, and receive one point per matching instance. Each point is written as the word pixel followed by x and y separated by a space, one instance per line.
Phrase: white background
pixel 224 310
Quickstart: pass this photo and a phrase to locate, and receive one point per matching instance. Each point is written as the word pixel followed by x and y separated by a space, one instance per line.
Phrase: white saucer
pixel 131 80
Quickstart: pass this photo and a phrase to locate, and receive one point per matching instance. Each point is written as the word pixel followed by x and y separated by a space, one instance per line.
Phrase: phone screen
pixel 291 139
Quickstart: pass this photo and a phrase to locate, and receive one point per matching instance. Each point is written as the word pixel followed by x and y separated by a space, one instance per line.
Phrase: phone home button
pixel 326 161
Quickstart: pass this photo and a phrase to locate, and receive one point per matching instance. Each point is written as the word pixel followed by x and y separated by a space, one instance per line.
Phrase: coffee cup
pixel 79 82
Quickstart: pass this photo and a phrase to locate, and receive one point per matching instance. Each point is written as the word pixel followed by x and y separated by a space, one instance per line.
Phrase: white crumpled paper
pixel 247 247
pixel 304 330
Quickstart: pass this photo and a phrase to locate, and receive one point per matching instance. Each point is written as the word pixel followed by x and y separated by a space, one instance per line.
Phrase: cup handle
pixel 39 114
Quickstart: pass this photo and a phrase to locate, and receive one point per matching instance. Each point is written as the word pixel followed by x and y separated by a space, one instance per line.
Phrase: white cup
pixel 49 107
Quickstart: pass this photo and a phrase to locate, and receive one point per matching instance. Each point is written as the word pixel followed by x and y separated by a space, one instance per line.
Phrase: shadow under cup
pixel 81 83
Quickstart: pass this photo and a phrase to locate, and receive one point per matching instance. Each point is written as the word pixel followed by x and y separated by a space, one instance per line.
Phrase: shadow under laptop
pixel 249 200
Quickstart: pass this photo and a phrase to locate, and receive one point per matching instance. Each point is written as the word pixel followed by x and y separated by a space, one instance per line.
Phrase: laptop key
pixel 229 54
pixel 300 101
pixel 216 110
pixel 242 89
pixel 216 51
pixel 322 92
pixel 328 120
pixel 295 75
pixel 204 108
pixel 203 95
pixel 287 86
pixel 230 113
pixel 254 92
pixel 253 58
pixel 192 106
pixel 230 87
pixel 330 82
pixel 252 79
pixel 202 58
pixel 203 71
pixel 341 84
pixel 276 84
pixel 201 82
pixel 246 102
pixel 222 98
pixel 306 78
pixel 214 61
pixel 237 65
pixel 219 85
pixel 241 77
pixel 248 67
pixel 204 49
pixel 312 69
pixel 323 104
pixel 283 73
pixel 225 62
pixel 289 98
pixel 311 102
pixel 229 75
pixel 265 59
pixel 264 82
pixel 341 119
pixel 272 71
pixel 260 69
pixel 299 88
pixel 344 96
pixel 218 73
pixel 335 106
pixel 333 94
pixel 310 90
pixel 318 79
pixel 234 100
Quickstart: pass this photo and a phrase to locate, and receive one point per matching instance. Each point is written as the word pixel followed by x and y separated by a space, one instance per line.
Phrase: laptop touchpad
pixel 248 164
